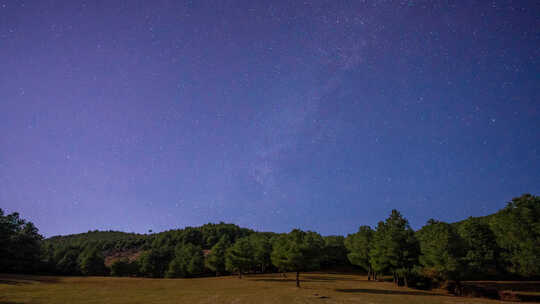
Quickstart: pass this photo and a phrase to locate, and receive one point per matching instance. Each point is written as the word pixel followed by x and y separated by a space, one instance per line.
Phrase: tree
pixel 481 250
pixel 517 229
pixel 155 262
pixel 92 262
pixel 262 249
pixel 334 253
pixel 188 261
pixel 442 251
pixel 20 244
pixel 395 247
pixel 68 261
pixel 240 257
pixel 215 260
pixel 358 245
pixel 124 268
pixel 378 258
pixel 279 253
pixel 298 251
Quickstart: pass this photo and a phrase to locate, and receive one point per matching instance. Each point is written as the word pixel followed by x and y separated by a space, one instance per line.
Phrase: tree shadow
pixel 390 292
pixel 329 278
pixel 533 286
pixel 12 282
pixel 283 280
pixel 304 278
pixel 24 280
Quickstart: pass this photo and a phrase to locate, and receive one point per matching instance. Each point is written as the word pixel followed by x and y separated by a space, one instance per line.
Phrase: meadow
pixel 268 288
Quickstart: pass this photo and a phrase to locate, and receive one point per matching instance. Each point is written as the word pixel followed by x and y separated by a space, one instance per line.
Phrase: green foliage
pixel 124 268
pixel 262 249
pixel 188 261
pixel 517 229
pixel 212 233
pixel 19 244
pixel 358 245
pixel 378 257
pixel 205 236
pixel 481 250
pixel 96 236
pixel 240 257
pixel 505 243
pixel 395 247
pixel 334 252
pixel 92 262
pixel 68 260
pixel 111 242
pixel 215 260
pixel 155 262
pixel 442 250
pixel 298 251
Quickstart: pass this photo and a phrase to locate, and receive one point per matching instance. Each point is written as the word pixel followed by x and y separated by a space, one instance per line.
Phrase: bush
pixel 124 268
pixel 419 280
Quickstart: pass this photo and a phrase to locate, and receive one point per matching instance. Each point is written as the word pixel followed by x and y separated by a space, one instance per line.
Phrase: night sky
pixel 273 115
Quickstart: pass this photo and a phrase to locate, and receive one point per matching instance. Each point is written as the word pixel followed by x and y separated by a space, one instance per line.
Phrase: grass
pixel 259 289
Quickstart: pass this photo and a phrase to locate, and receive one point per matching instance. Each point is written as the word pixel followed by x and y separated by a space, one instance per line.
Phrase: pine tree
pixel 216 259
pixel 240 257
pixel 92 262
pixel 395 247
pixel 358 245
pixel 262 249
pixel 188 261
pixel 442 251
pixel 298 251
pixel 517 228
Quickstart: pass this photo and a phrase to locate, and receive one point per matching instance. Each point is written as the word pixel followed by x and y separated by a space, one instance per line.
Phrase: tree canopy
pixel 358 245
pixel 298 251
pixel 240 257
pixel 20 244
pixel 506 243
pixel 442 250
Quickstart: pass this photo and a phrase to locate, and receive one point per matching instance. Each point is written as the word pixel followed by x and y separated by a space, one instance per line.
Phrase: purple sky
pixel 138 115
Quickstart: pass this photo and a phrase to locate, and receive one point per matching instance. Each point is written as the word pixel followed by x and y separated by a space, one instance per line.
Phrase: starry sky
pixel 273 115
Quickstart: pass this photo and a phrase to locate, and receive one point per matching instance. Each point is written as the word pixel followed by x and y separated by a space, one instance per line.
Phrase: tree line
pixel 502 245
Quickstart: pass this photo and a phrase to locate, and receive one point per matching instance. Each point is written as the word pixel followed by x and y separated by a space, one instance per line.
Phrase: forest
pixel 503 245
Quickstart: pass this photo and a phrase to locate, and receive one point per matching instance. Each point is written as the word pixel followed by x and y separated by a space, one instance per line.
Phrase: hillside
pixel 119 236
pixel 500 245
pixel 96 235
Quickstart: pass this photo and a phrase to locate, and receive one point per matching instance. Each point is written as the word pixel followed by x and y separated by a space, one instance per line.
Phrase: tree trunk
pixel 298 279
pixel 369 274
pixel 459 289
pixel 239 274
pixel 405 280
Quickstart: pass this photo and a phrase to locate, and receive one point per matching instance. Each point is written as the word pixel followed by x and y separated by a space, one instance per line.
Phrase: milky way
pixel 317 115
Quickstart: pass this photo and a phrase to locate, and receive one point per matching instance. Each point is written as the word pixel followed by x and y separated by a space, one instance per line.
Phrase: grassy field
pixel 316 288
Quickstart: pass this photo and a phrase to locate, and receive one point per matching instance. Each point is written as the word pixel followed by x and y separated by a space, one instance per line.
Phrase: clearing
pixel 260 289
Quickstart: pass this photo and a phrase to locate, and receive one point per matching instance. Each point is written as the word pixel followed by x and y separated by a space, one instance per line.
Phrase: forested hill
pixel 96 235
pixel 205 236
pixel 211 229
pixel 504 244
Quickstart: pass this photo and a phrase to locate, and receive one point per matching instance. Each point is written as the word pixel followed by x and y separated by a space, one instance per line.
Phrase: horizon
pixel 215 223
pixel 321 116
pixel 148 233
